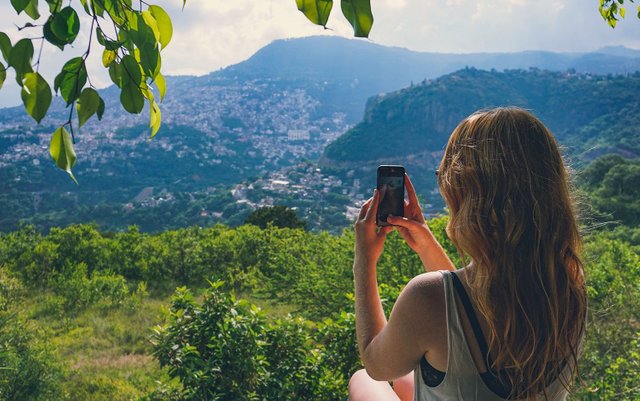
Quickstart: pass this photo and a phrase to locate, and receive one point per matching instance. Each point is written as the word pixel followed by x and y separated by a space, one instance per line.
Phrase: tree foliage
pixel 215 344
pixel 613 10
pixel 613 186
pixel 357 12
pixel 131 39
pixel 279 216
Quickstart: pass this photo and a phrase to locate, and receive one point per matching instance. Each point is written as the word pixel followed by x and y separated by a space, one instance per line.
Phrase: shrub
pixel 227 349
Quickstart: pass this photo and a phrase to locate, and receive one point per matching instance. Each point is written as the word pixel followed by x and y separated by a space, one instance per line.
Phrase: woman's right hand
pixel 413 228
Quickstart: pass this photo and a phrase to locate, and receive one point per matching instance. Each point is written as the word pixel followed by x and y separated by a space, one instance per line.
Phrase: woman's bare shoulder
pixel 422 306
pixel 423 299
pixel 426 286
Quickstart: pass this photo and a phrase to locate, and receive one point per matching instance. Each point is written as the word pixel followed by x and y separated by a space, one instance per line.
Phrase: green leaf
pixel 85 5
pixel 150 59
pixel 3 74
pixel 100 111
pixel 164 24
pixel 36 95
pixel 116 74
pixel 19 5
pixel 32 9
pixel 108 57
pixel 66 25
pixel 115 11
pixel 155 118
pixel 61 150
pixel 98 9
pixel 50 36
pixel 131 70
pixel 71 79
pixel 358 13
pixel 317 11
pixel 108 44
pixel 147 92
pixel 150 21
pixel 131 98
pixel 139 32
pixel 54 6
pixel 161 84
pixel 87 105
pixel 623 12
pixel 5 46
pixel 124 37
pixel 20 58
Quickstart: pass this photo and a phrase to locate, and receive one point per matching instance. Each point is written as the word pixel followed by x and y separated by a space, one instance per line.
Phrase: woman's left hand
pixel 369 238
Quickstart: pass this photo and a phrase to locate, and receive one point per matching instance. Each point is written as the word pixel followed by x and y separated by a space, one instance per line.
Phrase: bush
pixel 227 349
pixel 28 369
pixel 610 365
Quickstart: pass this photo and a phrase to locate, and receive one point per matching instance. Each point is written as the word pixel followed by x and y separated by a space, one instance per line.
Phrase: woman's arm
pixel 388 349
pixel 370 319
pixel 417 234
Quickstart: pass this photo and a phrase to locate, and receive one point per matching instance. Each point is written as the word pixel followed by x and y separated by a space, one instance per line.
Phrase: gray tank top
pixel 462 381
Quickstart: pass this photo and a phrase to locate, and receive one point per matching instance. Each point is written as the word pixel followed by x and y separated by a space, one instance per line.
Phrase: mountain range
pixel 258 120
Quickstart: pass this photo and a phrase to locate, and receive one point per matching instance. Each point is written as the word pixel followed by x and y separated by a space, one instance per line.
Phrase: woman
pixel 509 325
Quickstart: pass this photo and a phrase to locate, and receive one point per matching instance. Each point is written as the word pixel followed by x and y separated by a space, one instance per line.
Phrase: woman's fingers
pixel 384 231
pixel 364 209
pixel 411 191
pixel 403 222
pixel 373 208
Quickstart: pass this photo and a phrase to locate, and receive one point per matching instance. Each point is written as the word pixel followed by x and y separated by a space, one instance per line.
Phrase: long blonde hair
pixel 511 211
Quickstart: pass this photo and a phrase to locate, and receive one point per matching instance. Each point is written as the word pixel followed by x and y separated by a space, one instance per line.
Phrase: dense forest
pixel 259 313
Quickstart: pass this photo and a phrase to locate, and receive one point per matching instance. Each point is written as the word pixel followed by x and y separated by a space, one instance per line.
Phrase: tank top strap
pixel 459 356
pixel 473 319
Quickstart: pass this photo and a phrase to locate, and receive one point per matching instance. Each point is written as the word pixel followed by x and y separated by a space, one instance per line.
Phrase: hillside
pixel 590 115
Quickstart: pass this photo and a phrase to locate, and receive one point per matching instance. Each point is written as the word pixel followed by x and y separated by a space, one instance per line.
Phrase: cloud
pixel 211 34
pixel 220 33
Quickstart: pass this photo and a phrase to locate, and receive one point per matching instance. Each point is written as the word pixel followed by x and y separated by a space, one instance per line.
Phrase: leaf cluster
pixel 131 38
pixel 357 12
pixel 612 10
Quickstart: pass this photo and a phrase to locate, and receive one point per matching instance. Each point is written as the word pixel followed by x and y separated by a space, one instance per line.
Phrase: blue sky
pixel 211 34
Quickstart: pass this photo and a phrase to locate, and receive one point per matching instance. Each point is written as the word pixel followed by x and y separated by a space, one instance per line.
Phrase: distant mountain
pixel 620 51
pixel 353 70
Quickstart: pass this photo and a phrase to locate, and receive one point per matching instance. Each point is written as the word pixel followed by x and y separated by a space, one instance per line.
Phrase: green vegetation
pixel 279 216
pixel 612 10
pixel 259 313
pixel 131 40
pixel 357 12
pixel 613 185
pixel 592 115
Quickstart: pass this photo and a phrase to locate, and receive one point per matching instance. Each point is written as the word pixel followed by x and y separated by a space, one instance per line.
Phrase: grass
pixel 106 351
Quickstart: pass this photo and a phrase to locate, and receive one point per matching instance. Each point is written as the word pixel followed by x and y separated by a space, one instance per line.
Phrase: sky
pixel 212 34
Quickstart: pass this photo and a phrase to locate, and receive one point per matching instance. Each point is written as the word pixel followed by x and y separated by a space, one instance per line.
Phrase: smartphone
pixel 390 184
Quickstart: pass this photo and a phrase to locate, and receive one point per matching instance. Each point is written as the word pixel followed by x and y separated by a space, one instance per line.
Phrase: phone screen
pixel 391 188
